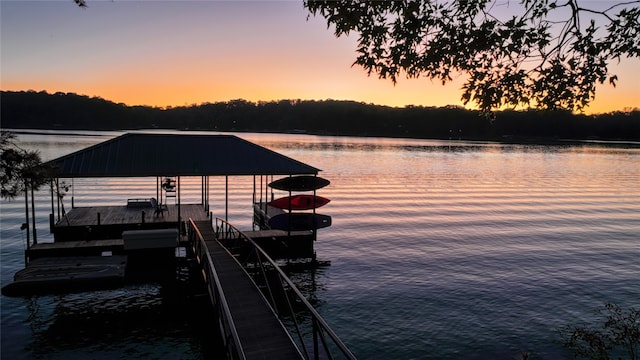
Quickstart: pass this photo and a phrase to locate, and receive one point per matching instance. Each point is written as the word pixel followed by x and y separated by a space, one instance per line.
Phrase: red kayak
pixel 299 202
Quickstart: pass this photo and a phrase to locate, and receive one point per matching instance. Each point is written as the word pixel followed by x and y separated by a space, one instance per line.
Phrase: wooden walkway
pixel 261 333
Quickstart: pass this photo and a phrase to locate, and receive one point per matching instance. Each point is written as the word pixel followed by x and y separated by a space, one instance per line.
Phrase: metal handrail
pixel 320 326
pixel 216 294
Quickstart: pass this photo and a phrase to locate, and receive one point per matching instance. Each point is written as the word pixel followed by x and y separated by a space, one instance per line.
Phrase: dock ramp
pixel 251 320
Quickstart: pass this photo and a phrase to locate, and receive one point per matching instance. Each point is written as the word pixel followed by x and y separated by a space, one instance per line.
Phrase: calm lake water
pixel 438 250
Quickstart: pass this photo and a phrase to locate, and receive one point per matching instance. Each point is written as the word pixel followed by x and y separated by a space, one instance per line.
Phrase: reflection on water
pixel 134 322
pixel 438 250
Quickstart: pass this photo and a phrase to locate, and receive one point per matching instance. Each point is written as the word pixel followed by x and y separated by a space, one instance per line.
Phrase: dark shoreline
pixel 62 112
pixel 540 142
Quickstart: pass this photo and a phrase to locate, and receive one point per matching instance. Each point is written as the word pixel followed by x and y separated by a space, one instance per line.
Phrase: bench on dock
pixel 159 209
pixel 140 203
pixel 150 239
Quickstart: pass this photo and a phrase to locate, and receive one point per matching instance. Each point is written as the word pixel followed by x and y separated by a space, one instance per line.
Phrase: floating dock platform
pixel 65 274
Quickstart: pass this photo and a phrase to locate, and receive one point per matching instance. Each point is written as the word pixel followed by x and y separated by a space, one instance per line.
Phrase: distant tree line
pixel 68 111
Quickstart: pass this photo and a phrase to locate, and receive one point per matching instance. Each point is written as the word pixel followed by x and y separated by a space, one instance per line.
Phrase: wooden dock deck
pixel 108 222
pixel 113 215
pixel 261 334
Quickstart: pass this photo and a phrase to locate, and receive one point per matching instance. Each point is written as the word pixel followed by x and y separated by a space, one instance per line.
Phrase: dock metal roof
pixel 139 155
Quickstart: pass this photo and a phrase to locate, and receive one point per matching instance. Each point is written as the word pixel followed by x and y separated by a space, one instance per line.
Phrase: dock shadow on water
pixel 136 321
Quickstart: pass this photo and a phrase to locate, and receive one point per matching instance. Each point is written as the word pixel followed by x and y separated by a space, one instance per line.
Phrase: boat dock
pixel 105 246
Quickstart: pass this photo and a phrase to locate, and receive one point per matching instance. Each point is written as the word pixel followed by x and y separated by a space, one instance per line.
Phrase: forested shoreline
pixel 68 111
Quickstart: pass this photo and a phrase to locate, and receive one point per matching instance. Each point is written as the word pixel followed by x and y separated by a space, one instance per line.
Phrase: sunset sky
pixel 172 53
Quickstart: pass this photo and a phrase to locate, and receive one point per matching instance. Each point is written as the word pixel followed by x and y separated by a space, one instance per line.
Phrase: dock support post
pixel 33 214
pixel 253 203
pixel 53 210
pixel 52 206
pixel 208 195
pixel 179 199
pixel 205 193
pixel 226 198
pixel 260 190
pixel 266 194
pixel 99 218
pixel 58 196
pixel 26 224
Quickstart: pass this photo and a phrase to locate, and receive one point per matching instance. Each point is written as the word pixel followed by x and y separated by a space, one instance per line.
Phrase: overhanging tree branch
pixel 541 55
pixel 19 167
